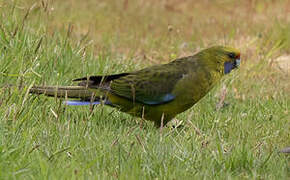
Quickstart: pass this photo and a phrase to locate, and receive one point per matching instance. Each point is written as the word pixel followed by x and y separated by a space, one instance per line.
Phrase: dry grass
pixel 56 41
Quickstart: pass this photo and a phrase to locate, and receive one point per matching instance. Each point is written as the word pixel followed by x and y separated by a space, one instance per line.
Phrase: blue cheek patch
pixel 228 67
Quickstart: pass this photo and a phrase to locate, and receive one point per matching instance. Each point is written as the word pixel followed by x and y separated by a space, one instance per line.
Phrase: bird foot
pixel 176 124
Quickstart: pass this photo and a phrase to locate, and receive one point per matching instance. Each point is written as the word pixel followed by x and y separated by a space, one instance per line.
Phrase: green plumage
pixel 158 93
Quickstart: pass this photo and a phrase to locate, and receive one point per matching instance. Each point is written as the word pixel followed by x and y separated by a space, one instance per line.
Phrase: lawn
pixel 51 42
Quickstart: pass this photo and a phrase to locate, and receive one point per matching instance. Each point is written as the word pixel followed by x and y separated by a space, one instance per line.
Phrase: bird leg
pixel 175 123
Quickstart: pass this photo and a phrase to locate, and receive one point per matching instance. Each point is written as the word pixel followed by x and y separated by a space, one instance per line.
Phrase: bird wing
pixel 149 86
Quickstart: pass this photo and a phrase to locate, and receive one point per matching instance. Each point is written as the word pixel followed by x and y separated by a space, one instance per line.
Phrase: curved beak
pixel 237 63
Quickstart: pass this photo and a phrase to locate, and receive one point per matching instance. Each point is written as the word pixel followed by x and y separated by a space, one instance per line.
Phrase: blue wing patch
pixel 163 99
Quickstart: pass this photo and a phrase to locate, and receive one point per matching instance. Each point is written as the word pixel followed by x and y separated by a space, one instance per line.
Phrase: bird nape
pixel 157 93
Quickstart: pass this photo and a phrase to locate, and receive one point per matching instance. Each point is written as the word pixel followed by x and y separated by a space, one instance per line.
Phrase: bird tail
pixel 78 92
pixel 84 96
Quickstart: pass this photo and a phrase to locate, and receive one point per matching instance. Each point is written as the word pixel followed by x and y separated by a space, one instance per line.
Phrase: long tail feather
pixel 83 103
pixel 63 91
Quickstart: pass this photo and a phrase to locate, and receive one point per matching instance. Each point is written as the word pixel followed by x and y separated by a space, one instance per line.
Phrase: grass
pixel 52 42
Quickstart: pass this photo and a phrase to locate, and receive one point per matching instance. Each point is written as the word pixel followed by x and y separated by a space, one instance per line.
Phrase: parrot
pixel 156 93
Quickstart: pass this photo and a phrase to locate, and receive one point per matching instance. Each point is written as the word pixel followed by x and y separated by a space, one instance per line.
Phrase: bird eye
pixel 232 55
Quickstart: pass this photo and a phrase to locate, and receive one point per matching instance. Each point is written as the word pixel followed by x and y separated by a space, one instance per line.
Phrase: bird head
pixel 222 59
pixel 231 59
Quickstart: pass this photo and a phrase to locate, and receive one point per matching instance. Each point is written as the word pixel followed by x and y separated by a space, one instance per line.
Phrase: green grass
pixel 54 42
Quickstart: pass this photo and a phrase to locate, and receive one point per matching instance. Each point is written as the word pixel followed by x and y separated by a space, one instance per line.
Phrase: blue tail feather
pixel 83 103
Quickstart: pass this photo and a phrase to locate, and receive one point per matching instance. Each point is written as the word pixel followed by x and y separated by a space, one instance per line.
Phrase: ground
pixel 51 42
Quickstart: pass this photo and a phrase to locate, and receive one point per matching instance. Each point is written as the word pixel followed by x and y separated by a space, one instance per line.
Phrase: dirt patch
pixel 283 63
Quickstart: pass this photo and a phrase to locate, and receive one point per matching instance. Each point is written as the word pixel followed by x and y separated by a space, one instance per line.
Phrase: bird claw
pixel 176 124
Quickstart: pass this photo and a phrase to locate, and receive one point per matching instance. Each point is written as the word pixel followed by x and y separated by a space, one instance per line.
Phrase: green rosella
pixel 157 93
